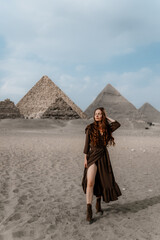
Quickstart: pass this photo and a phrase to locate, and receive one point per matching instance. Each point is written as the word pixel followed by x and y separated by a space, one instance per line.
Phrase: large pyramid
pixel 43 100
pixel 152 114
pixel 9 110
pixel 115 105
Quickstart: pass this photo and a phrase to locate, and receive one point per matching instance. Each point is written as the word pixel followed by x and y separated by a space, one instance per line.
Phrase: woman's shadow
pixel 131 207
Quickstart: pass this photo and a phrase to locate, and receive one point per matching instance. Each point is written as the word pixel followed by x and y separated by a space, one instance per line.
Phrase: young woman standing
pixel 98 177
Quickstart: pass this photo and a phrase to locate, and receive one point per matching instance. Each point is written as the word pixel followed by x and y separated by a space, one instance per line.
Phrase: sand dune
pixel 41 198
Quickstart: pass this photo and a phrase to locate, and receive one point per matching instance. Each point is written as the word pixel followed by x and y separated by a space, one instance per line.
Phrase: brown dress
pixel 105 184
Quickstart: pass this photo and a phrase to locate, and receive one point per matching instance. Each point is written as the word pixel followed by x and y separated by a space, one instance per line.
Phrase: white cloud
pixel 41 37
pixel 78 30
pixel 10 90
pixel 80 68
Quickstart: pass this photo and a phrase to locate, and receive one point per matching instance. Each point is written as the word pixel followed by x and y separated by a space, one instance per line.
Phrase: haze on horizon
pixel 82 46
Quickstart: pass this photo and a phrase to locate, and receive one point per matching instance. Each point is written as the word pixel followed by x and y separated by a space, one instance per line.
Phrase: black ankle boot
pixel 89 213
pixel 98 206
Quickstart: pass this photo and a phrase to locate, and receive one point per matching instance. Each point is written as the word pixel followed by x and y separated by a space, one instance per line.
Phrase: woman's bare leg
pixel 91 173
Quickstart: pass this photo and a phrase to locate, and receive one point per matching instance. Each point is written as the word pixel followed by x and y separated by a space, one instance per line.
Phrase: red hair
pixel 94 130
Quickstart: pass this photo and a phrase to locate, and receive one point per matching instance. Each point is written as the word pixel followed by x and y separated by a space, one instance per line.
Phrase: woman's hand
pixel 85 161
pixel 110 119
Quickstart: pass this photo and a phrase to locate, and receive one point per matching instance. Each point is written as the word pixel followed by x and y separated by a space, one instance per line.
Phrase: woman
pixel 98 177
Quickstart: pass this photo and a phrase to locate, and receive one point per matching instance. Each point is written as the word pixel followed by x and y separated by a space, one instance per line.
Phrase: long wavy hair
pixel 95 134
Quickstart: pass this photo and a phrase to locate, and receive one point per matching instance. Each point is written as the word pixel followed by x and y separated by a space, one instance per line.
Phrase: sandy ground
pixel 41 198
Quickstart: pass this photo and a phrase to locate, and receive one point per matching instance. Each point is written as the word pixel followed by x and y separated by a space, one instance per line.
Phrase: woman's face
pixel 98 115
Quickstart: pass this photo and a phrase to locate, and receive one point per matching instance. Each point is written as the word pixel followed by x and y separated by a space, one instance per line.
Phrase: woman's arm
pixel 114 124
pixel 110 119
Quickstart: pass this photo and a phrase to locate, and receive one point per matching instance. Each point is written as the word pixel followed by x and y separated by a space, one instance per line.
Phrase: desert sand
pixel 41 168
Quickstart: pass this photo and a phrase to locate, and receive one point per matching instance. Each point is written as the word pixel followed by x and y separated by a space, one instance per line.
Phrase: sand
pixel 41 198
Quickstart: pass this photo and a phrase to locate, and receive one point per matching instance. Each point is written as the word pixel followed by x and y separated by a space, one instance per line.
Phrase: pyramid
pixel 60 110
pixel 43 97
pixel 152 114
pixel 115 105
pixel 9 110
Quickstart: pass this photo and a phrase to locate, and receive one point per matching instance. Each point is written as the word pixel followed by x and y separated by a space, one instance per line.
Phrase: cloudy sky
pixel 82 45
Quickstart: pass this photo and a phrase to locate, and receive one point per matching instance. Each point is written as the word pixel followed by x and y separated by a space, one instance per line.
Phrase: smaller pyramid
pixel 152 114
pixel 60 110
pixel 115 105
pixel 9 110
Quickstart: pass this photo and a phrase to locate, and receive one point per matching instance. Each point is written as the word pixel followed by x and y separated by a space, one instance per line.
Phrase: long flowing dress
pixel 105 184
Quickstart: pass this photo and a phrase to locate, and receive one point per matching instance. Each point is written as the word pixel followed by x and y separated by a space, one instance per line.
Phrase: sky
pixel 81 45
